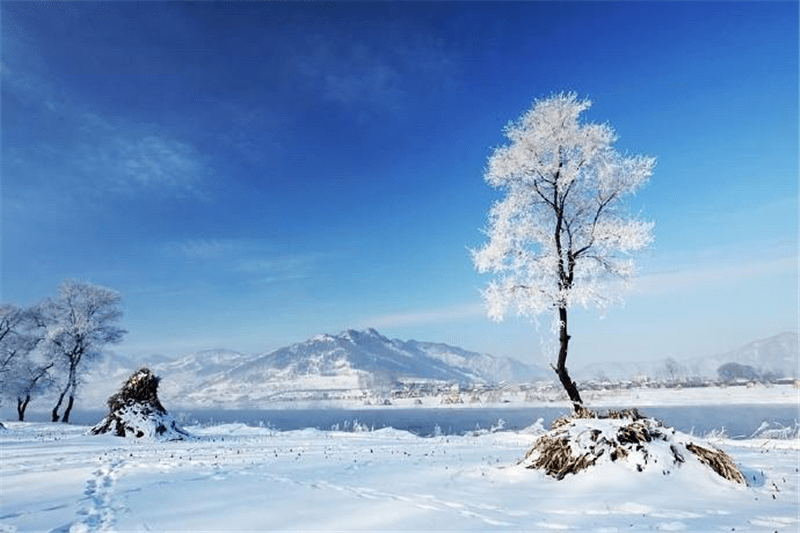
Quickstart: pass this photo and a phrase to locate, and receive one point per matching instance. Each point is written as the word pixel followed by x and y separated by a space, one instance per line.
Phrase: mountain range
pixel 777 356
pixel 355 361
pixel 350 361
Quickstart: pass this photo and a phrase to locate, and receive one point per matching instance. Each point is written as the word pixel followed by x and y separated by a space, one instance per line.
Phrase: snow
pixel 714 395
pixel 617 445
pixel 140 421
pixel 553 396
pixel 56 477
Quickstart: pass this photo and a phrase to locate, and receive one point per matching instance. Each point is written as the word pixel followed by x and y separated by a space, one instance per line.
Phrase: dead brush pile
pixel 136 411
pixel 587 439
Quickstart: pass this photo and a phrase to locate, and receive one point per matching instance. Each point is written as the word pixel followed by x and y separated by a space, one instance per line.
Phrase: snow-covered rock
pixel 135 411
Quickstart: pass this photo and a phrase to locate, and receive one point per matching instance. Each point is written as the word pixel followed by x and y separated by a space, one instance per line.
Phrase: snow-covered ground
pixel 754 393
pixel 239 478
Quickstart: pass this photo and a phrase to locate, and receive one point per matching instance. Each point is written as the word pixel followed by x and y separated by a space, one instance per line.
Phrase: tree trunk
pixel 58 405
pixel 22 405
pixel 70 385
pixel 65 418
pixel 561 368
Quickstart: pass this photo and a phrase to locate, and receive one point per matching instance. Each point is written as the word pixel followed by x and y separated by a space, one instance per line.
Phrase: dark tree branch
pixel 600 208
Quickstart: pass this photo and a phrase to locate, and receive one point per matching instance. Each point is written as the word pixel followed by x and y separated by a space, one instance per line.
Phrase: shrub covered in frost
pixel 353 426
pixel 774 430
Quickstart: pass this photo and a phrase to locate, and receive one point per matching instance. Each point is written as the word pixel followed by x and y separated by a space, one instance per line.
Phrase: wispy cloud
pixel 63 140
pixel 206 248
pixel 251 131
pixel 97 159
pixel 281 268
pixel 689 278
pixel 255 261
pixel 372 74
pixel 132 164
pixel 443 315
pixel 279 263
pixel 355 74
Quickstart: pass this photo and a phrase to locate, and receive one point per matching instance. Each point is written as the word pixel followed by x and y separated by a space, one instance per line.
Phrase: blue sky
pixel 250 174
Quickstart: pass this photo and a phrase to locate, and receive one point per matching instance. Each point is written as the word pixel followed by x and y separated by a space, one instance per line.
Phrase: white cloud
pixel 94 154
pixel 354 74
pixel 257 261
pixel 110 160
pixel 711 275
pixel 283 268
pixel 231 250
pixel 376 75
pixel 157 162
pixel 456 313
pixel 97 158
pixel 204 248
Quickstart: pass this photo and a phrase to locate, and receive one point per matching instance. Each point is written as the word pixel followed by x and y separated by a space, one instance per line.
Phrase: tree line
pixel 47 347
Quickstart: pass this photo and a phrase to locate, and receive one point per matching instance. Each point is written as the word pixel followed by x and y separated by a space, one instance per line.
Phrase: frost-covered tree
pixel 11 319
pixel 35 378
pixel 80 322
pixel 732 372
pixel 14 346
pixel 674 372
pixel 560 236
pixel 24 371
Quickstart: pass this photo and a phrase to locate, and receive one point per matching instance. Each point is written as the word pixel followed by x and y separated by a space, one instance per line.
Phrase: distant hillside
pixel 490 368
pixel 358 361
pixel 190 372
pixel 777 355
pixel 352 360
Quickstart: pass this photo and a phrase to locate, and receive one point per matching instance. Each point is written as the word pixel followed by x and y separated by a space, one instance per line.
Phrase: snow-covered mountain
pixel 190 372
pixel 777 355
pixel 350 361
pixel 491 368
pixel 106 376
pixel 355 360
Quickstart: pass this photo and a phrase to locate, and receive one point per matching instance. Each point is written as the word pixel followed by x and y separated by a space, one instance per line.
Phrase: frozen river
pixel 737 421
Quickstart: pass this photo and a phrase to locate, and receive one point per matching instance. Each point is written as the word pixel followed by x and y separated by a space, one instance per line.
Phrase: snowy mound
pixel 628 439
pixel 136 420
pixel 135 411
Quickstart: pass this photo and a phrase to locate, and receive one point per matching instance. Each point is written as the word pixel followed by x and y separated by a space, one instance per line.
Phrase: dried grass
pixel 555 457
pixel 718 461
pixel 141 388
pixel 554 453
